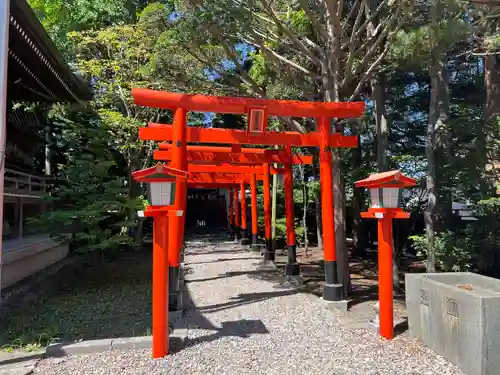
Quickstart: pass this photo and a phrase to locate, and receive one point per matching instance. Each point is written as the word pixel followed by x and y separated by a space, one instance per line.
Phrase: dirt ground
pixel 364 288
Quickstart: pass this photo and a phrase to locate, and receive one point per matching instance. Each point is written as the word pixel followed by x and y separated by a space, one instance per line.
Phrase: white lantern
pixel 387 197
pixel 161 193
pixel 161 180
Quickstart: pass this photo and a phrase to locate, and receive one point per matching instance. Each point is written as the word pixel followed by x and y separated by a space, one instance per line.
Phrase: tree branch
pixel 317 24
pixel 279 57
pixel 373 67
pixel 357 33
pixel 285 29
pixel 351 54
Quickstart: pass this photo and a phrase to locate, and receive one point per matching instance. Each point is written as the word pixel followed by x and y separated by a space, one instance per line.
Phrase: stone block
pixel 458 316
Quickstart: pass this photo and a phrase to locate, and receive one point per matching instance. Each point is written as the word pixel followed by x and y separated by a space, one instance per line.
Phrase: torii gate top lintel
pixel 242 105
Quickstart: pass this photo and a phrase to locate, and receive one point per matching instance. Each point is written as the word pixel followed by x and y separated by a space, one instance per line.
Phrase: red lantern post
pixel 385 200
pixel 162 182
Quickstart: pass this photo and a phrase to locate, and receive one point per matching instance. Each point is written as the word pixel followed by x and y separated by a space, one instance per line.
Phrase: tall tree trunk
pixel 317 204
pixel 491 111
pixel 317 209
pixel 382 131
pixel 382 134
pixel 492 86
pixel 330 74
pixel 438 115
pixel 358 235
pixel 304 209
pixel 340 215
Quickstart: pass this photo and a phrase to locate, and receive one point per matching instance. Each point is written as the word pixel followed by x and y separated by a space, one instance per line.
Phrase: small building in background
pixel 37 72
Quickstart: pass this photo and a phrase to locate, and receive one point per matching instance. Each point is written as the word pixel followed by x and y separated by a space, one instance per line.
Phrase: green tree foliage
pixel 433 62
pixel 90 198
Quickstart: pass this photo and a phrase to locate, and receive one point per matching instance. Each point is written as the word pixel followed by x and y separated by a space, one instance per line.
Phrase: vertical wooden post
pixel 385 277
pixel 292 267
pixel 237 217
pixel 255 214
pixel 177 223
pixel 243 203
pixel 160 287
pixel 332 290
pixel 230 217
pixel 269 253
pixel 48 150
pixel 21 219
pixel 4 58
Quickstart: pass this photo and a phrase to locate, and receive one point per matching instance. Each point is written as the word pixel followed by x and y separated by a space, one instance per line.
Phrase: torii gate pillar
pixel 255 214
pixel 292 267
pixel 230 213
pixel 244 227
pixel 237 217
pixel 269 252
pixel 176 224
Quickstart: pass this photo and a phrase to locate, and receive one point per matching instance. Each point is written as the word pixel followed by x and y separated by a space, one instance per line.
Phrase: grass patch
pixel 112 299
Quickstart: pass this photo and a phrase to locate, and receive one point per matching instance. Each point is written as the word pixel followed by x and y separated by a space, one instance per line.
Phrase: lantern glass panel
pixel 375 198
pixel 390 197
pixel 161 193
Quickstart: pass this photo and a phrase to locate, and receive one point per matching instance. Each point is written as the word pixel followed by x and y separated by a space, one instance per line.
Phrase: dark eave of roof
pixel 36 69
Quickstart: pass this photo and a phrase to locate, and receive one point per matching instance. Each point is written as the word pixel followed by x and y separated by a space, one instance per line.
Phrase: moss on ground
pixel 111 299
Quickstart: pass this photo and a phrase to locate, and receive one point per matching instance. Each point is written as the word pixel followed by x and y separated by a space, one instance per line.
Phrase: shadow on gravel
pixel 221 260
pixel 246 299
pixel 19 359
pixel 257 274
pixel 239 328
pixel 192 251
pixel 195 319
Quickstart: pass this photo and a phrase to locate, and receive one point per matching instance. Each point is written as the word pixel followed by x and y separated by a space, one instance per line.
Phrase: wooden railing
pixel 20 183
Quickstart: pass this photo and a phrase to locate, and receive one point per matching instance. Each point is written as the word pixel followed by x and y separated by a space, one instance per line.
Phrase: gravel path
pixel 247 322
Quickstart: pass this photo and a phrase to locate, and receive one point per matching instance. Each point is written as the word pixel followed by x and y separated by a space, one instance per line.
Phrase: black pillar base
pixel 333 292
pixel 237 233
pixel 175 301
pixel 174 295
pixel 183 249
pixel 269 255
pixel 255 245
pixel 292 269
pixel 181 273
pixel 231 231
pixel 244 238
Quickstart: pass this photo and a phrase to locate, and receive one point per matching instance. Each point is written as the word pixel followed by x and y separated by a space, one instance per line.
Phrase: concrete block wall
pixel 461 325
pixel 20 263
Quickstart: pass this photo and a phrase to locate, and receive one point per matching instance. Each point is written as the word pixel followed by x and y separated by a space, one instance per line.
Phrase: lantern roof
pixel 158 173
pixel 390 179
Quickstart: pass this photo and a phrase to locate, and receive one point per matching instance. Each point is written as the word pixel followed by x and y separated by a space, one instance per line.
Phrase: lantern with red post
pixel 385 205
pixel 162 181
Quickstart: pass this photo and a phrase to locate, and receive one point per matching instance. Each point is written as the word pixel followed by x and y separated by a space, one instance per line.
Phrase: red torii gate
pixel 257 110
pixel 249 174
pixel 237 176
pixel 206 154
